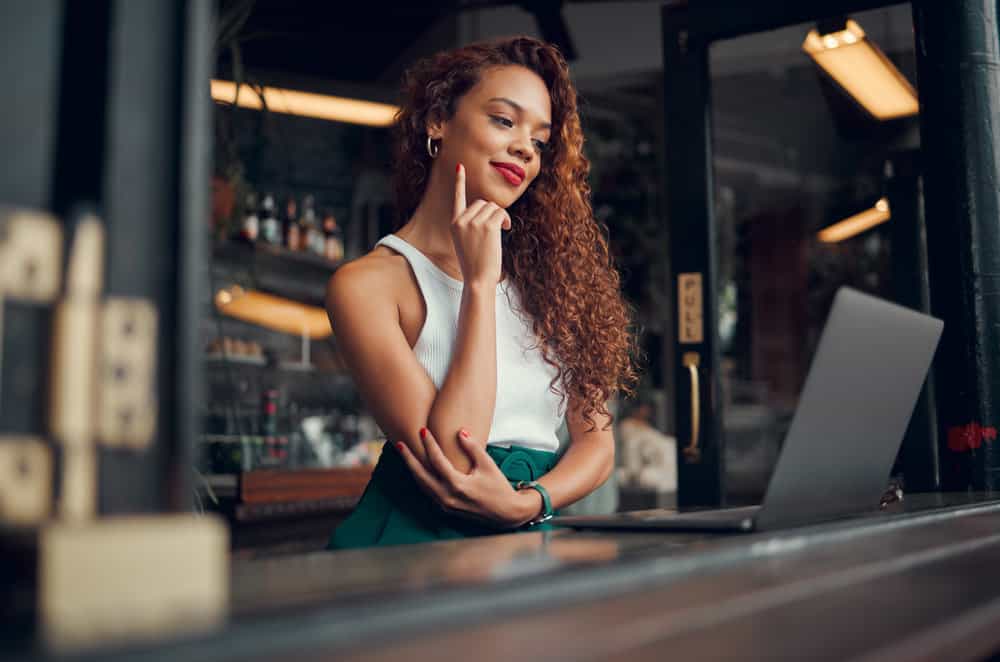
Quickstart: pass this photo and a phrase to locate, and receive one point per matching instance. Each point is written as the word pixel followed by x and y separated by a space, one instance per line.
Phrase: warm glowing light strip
pixel 273 312
pixel 306 104
pixel 858 66
pixel 856 224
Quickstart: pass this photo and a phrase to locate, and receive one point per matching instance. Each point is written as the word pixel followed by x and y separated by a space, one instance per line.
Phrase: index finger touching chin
pixel 459 189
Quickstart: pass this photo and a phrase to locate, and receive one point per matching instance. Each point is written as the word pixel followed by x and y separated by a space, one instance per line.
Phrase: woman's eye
pixel 500 119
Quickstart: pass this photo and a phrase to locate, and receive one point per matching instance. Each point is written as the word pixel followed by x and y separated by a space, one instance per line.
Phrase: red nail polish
pixel 423 432
pixel 458 168
pixel 399 446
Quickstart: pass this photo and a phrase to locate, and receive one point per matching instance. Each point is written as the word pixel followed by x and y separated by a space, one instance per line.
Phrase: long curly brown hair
pixel 557 253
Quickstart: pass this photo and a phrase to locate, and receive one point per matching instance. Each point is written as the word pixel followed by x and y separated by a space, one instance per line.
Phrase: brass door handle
pixel 691 452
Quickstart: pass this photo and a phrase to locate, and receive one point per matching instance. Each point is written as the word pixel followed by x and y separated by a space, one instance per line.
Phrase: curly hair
pixel 557 254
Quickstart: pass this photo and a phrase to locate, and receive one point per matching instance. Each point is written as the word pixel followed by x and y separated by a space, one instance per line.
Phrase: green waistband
pixel 520 463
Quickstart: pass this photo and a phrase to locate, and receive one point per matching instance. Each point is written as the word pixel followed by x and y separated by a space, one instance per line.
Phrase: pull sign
pixel 689 306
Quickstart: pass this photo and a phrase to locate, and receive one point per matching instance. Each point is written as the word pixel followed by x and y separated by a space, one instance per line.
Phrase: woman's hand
pixel 484 494
pixel 475 231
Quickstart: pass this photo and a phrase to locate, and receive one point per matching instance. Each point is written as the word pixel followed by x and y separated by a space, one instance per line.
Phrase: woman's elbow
pixel 607 466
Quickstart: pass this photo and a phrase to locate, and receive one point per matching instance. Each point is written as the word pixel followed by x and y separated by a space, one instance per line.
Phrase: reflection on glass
pixel 793 155
pixel 856 224
pixel 863 71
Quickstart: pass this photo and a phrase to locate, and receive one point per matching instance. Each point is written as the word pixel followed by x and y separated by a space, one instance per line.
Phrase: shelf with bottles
pixel 306 231
pixel 221 358
pixel 293 245
pixel 264 255
pixel 283 431
pixel 234 351
pixel 293 369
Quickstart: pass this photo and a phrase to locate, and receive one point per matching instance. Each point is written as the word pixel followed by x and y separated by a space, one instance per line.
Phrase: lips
pixel 512 173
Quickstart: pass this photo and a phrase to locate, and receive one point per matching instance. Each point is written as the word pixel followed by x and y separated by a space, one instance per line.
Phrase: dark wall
pixel 32 36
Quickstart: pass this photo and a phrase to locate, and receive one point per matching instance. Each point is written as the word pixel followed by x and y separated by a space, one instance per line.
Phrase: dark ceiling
pixel 350 41
pixel 346 41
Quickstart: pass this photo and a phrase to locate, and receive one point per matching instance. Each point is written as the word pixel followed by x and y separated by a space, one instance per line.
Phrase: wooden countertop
pixel 918 582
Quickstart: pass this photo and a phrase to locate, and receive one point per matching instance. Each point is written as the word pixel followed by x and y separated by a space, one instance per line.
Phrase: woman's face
pixel 499 133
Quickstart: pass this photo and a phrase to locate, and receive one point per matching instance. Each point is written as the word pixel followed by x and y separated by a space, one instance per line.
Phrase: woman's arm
pixel 361 303
pixel 393 384
pixel 587 463
pixel 469 392
pixel 485 494
pixel 468 395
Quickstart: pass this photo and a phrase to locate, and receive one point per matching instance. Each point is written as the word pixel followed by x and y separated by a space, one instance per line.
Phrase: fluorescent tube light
pixel 856 224
pixel 306 104
pixel 273 312
pixel 858 66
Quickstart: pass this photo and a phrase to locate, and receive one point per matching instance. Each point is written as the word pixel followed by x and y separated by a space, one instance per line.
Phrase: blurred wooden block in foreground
pixel 130 578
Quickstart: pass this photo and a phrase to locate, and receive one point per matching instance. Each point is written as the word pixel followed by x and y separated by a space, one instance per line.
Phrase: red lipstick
pixel 512 173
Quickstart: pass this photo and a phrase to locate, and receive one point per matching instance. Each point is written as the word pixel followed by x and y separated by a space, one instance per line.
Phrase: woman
pixel 491 313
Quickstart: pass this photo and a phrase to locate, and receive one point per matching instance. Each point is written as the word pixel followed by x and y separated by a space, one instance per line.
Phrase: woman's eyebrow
pixel 517 107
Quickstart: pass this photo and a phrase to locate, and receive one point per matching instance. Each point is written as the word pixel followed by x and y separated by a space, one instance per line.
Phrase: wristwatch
pixel 546 501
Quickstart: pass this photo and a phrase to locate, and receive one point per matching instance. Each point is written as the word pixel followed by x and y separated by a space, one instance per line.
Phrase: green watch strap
pixel 546 501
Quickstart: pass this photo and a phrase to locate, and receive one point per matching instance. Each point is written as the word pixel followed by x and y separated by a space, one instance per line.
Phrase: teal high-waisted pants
pixel 394 510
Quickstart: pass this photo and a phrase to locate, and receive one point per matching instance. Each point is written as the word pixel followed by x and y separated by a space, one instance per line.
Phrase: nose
pixel 521 148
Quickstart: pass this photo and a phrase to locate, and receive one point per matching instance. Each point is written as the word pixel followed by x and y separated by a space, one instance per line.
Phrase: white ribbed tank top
pixel 527 412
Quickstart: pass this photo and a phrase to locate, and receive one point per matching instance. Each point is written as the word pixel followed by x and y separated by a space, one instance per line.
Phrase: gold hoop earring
pixel 432 149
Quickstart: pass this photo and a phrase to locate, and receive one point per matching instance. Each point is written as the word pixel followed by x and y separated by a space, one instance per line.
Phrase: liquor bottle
pixel 303 225
pixel 251 224
pixel 269 423
pixel 333 245
pixel 270 228
pixel 293 241
pixel 313 239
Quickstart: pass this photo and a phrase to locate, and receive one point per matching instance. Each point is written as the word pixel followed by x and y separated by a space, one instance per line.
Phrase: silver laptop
pixel 857 400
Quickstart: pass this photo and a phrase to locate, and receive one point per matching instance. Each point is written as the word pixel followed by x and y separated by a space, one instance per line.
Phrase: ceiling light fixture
pixel 856 224
pixel 306 104
pixel 863 71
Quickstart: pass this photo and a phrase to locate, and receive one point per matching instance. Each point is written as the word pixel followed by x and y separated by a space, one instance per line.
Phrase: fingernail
pixel 464 433
pixel 458 168
pixel 423 432
pixel 399 446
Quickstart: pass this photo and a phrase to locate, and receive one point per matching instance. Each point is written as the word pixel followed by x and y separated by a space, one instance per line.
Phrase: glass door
pixel 794 188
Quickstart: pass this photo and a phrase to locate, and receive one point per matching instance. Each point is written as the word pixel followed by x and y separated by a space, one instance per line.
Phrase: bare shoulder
pixel 375 276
